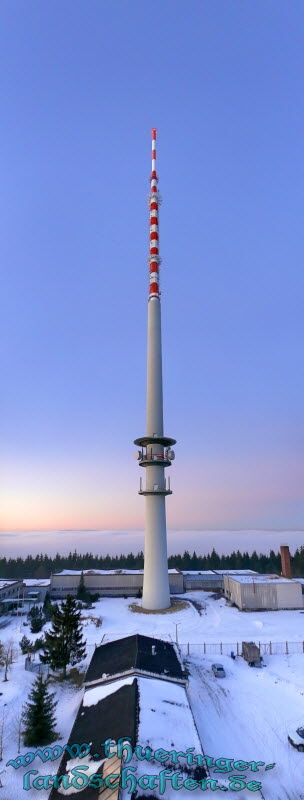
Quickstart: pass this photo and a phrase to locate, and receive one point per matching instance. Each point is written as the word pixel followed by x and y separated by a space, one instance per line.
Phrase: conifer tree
pixel 26 645
pixel 64 643
pixel 37 619
pixel 38 716
pixel 47 606
pixel 82 593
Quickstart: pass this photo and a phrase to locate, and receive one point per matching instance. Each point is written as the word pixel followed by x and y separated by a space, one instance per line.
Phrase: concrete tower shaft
pixel 154 417
pixel 156 452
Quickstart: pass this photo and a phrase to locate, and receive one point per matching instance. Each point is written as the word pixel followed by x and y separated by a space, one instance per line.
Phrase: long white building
pixel 110 582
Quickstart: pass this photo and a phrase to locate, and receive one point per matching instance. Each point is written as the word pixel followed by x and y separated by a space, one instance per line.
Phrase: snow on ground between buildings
pixel 247 715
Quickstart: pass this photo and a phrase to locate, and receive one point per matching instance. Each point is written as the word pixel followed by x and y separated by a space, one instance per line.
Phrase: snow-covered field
pixel 245 716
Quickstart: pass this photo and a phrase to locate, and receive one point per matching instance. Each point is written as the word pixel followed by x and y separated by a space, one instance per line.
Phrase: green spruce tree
pixel 26 645
pixel 47 606
pixel 37 619
pixel 38 716
pixel 82 593
pixel 64 643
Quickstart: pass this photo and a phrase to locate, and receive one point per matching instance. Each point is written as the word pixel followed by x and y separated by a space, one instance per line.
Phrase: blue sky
pixel 81 84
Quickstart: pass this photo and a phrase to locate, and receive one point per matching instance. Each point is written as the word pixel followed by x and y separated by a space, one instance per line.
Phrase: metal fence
pixel 36 666
pixel 212 648
pixel 224 648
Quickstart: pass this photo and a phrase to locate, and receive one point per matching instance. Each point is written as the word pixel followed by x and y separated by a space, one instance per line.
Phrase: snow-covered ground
pixel 245 716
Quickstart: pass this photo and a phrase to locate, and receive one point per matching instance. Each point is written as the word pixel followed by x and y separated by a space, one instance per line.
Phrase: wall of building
pixel 290 595
pixel 9 591
pixel 42 590
pixel 112 584
pixel 232 591
pixel 208 583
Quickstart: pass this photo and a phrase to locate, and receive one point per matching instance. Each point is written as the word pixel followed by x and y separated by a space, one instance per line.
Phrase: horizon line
pixel 141 530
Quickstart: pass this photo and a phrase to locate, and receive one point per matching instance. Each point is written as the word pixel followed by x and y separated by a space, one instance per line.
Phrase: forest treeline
pixel 42 566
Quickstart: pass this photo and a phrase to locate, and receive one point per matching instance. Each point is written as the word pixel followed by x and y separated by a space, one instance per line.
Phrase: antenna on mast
pixel 154 199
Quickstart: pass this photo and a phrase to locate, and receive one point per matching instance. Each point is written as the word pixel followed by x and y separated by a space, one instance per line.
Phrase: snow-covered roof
pixel 152 712
pixel 108 572
pixel 4 582
pixel 94 694
pixel 202 572
pixel 163 700
pixel 107 712
pixel 165 721
pixel 37 581
pixel 269 579
pixel 218 572
pixel 236 572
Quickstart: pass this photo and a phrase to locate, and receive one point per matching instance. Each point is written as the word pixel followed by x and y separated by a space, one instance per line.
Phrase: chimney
pixel 285 560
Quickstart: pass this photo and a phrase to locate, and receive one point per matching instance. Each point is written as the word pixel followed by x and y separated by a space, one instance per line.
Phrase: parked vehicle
pixel 218 670
pixel 251 654
pixel 297 739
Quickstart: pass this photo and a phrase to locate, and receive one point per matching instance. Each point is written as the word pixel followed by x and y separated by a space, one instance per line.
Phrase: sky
pixel 81 85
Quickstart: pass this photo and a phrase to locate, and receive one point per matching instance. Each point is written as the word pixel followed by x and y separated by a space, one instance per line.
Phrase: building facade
pixel 10 591
pixel 111 583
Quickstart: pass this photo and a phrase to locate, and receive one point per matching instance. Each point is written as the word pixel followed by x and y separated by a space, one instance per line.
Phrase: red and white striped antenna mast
pixel 154 203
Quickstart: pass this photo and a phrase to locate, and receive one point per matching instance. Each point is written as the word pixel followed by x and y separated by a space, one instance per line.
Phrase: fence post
pixel 188 649
pixel 237 648
pixel 204 647
pixel 270 648
pixel 221 649
pixel 286 649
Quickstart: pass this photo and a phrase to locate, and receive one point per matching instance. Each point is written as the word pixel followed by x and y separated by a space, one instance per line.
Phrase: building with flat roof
pixel 36 588
pixel 108 582
pixel 10 592
pixel 210 580
pixel 262 592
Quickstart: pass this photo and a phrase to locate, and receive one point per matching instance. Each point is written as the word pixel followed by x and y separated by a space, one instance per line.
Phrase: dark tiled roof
pixel 117 715
pixel 135 652
pixel 113 717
